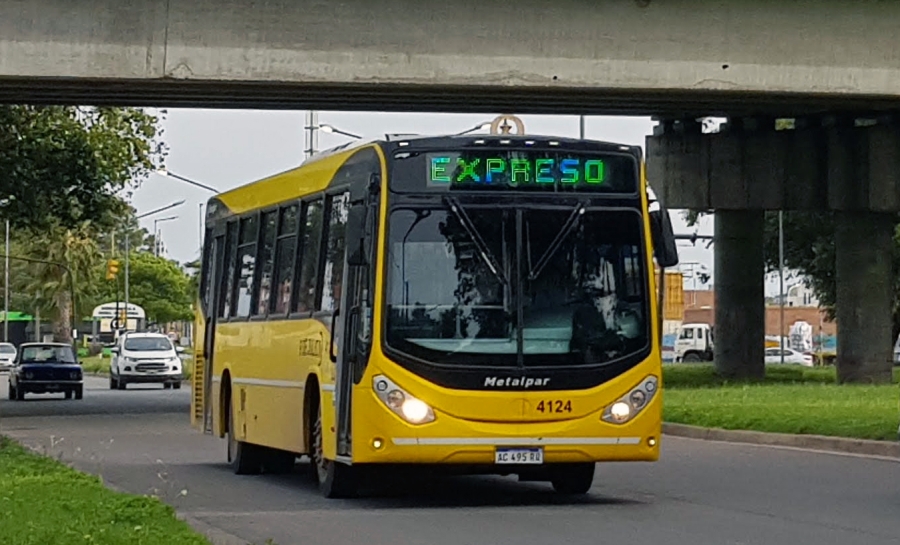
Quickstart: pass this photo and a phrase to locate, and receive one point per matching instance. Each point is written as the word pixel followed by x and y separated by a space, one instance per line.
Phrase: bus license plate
pixel 519 456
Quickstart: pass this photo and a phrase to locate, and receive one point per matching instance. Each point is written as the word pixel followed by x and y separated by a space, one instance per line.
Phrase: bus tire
pixel 335 480
pixel 573 478
pixel 243 458
pixel 279 462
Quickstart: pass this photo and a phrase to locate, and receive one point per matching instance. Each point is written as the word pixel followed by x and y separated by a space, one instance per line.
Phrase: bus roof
pixel 315 173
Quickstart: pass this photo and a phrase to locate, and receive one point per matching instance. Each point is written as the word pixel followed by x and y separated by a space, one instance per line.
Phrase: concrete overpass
pixel 833 65
pixel 645 57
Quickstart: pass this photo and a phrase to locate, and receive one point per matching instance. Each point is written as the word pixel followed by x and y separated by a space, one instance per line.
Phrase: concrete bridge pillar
pixel 864 250
pixel 833 164
pixel 740 294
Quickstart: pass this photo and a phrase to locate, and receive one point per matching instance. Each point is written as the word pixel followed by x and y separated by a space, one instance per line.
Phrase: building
pixel 700 307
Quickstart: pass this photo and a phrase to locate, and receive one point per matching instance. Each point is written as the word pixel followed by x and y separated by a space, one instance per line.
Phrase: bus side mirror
pixel 355 235
pixel 665 248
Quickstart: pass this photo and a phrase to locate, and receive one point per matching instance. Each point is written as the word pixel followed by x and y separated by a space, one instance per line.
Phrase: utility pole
pixel 312 132
pixel 581 127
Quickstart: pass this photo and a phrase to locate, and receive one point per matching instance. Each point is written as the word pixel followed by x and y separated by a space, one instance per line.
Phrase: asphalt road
pixel 699 493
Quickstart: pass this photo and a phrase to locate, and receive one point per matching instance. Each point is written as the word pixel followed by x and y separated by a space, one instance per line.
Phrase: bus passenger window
pixel 226 299
pixel 333 274
pixel 284 258
pixel 247 263
pixel 267 255
pixel 310 240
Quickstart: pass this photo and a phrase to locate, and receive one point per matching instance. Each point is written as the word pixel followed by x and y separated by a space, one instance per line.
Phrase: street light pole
pixel 6 289
pixel 168 174
pixel 781 280
pixel 581 127
pixel 127 276
pixel 335 130
pixel 128 250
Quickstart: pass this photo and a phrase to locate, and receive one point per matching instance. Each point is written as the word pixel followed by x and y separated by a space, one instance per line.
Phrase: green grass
pixel 43 501
pixel 792 399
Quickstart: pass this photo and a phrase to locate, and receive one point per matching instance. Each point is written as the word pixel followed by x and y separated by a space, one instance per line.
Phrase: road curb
pixel 886 449
pixel 215 535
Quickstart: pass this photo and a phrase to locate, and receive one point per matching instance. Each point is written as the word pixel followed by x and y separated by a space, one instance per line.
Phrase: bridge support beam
pixel 740 294
pixel 864 249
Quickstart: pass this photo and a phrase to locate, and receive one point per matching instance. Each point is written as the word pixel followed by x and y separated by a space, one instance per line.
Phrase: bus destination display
pixel 532 171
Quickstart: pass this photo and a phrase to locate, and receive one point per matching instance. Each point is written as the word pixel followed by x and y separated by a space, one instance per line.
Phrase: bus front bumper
pixel 380 437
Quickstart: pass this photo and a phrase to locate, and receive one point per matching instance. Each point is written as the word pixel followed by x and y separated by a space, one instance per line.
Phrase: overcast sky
pixel 227 148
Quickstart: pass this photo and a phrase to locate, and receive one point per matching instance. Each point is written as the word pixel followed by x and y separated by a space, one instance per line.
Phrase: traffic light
pixel 112 269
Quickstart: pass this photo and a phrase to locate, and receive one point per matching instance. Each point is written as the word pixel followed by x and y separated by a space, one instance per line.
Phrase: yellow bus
pixel 480 304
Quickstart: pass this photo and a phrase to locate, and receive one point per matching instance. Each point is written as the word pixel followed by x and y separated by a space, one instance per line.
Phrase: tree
pixel 48 284
pixel 62 170
pixel 160 286
pixel 61 166
pixel 125 224
pixel 194 268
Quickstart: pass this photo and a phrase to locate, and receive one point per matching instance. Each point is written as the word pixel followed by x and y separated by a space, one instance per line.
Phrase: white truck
pixel 694 343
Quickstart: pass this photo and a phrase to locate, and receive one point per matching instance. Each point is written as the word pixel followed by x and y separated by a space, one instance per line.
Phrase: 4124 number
pixel 554 406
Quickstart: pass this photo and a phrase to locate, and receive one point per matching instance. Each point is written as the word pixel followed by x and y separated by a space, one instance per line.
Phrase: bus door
pixel 354 324
pixel 213 292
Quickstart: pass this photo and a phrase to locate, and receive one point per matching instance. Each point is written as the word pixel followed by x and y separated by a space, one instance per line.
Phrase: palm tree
pixel 49 285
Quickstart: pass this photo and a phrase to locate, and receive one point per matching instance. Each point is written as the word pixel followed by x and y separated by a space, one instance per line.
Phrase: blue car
pixel 42 368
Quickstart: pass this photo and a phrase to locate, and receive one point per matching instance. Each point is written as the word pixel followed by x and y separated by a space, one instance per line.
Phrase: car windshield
pixel 480 286
pixel 7 349
pixel 48 354
pixel 148 344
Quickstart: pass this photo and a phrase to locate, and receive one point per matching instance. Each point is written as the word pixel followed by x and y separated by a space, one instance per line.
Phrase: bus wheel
pixel 336 480
pixel 574 478
pixel 243 457
pixel 279 462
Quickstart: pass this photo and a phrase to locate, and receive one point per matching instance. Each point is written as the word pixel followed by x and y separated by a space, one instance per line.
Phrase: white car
pixel 773 355
pixel 7 356
pixel 145 358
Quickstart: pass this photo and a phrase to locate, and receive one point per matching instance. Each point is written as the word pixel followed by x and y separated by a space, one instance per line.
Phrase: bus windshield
pixel 524 285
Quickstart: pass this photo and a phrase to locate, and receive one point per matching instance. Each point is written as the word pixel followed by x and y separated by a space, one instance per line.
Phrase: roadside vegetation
pixel 43 501
pixel 791 399
pixel 100 365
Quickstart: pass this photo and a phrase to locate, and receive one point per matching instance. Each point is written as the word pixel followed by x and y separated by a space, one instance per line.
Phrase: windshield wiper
pixel 567 228
pixel 482 247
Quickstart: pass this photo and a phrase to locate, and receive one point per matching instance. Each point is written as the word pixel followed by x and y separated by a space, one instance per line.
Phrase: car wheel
pixel 176 385
pixel 69 394
pixel 20 394
pixel 79 392
pixel 121 384
pixel 113 383
pixel 12 391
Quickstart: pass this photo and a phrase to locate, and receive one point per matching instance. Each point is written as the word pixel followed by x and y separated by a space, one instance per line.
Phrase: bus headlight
pixel 629 405
pixel 407 407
